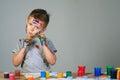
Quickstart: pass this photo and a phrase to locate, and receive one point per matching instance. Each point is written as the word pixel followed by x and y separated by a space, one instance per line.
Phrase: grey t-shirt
pixel 34 60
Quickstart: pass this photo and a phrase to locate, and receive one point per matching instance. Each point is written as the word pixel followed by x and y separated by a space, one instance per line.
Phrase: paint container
pixel 119 75
pixel 60 75
pixel 12 76
pixel 43 75
pixel 68 74
pixel 47 74
pixel 109 69
pixel 97 71
pixel 6 74
pixel 103 77
pixel 113 74
pixel 17 74
pixel 118 72
pixel 42 39
pixel 81 71
pixel 30 77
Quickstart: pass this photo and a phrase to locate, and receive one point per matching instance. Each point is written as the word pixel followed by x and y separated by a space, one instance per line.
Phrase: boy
pixel 35 52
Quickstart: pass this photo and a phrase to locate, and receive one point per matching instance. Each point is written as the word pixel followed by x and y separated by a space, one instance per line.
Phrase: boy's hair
pixel 40 14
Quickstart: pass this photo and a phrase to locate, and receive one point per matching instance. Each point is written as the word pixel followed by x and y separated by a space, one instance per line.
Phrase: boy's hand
pixel 42 39
pixel 28 39
pixel 27 42
pixel 42 36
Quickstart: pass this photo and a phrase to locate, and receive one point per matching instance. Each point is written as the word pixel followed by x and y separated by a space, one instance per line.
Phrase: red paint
pixel 45 43
pixel 17 74
pixel 41 24
pixel 20 40
pixel 37 46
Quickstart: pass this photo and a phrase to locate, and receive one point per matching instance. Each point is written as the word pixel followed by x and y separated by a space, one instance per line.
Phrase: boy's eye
pixel 36 27
pixel 30 23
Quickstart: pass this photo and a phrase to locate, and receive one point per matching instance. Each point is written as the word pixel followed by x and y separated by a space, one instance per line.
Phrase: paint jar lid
pixel 110 66
pixel 81 68
pixel 118 68
pixel 6 74
pixel 12 74
pixel 47 74
pixel 113 70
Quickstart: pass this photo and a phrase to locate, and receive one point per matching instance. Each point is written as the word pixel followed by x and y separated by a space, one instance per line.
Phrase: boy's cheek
pixel 34 32
pixel 29 29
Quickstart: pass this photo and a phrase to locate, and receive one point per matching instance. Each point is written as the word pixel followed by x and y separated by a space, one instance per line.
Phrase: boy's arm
pixel 18 57
pixel 19 52
pixel 49 55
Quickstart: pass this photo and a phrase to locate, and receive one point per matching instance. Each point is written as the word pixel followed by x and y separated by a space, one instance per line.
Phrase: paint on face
pixel 37 22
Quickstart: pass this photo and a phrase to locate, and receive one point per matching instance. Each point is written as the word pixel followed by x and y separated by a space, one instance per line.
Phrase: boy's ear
pixel 26 28
pixel 26 25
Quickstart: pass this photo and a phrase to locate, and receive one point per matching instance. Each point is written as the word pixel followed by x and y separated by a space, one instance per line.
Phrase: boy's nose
pixel 32 29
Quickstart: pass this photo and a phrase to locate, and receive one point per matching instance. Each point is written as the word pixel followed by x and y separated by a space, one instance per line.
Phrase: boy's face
pixel 34 26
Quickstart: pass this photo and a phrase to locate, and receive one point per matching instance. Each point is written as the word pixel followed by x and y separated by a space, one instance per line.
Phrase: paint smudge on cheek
pixel 41 24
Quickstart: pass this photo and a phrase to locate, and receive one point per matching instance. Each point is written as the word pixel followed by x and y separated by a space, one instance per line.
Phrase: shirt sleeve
pixel 20 44
pixel 51 45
